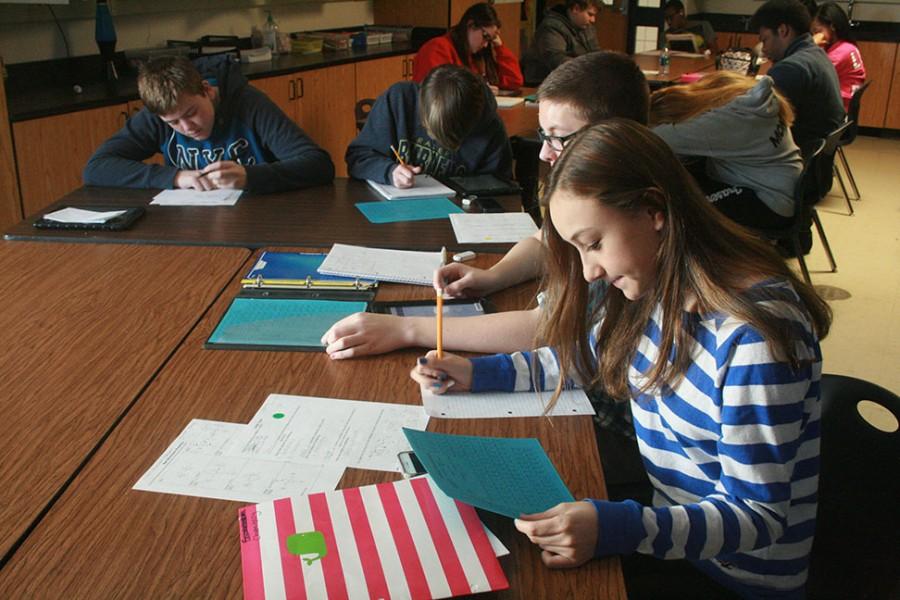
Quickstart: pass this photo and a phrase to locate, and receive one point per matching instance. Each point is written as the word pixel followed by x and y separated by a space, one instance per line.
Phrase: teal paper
pixel 287 322
pixel 413 209
pixel 508 476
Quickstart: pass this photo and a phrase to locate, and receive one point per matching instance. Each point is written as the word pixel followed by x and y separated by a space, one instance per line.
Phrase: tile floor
pixel 864 293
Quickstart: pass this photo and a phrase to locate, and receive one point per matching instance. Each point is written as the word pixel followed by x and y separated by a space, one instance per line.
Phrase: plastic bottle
pixel 664 60
pixel 270 34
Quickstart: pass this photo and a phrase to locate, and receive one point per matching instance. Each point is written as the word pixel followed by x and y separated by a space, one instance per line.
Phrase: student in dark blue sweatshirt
pixel 213 130
pixel 448 125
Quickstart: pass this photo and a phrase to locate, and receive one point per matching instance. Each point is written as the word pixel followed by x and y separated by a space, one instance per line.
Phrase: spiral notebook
pixel 398 266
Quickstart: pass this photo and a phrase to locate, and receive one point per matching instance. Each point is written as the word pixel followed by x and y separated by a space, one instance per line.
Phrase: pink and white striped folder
pixel 405 539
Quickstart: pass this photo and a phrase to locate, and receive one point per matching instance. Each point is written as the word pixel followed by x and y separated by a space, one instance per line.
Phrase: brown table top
pixel 83 329
pixel 318 216
pixel 678 66
pixel 102 539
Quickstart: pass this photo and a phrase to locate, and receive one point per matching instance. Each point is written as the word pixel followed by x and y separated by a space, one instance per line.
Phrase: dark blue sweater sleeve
pixel 118 161
pixel 299 161
pixel 369 155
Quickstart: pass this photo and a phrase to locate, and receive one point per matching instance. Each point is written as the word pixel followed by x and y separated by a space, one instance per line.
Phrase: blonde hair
pixel 684 102
pixel 161 81
pixel 702 255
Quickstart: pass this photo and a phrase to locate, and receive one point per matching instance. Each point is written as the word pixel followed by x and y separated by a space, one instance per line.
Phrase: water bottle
pixel 270 34
pixel 664 60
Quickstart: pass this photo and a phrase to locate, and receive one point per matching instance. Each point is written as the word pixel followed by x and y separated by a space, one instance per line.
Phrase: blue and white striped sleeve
pixel 742 494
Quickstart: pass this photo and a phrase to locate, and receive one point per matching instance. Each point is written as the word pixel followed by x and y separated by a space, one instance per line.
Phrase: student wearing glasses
pixel 473 43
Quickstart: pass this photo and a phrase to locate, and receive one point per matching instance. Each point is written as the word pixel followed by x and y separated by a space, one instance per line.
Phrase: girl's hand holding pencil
pixel 437 375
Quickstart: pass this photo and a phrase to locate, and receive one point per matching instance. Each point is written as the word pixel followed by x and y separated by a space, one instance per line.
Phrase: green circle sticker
pixel 278 415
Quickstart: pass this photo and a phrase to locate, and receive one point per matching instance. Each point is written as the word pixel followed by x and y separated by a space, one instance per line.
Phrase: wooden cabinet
pixel 52 151
pixel 892 114
pixel 879 58
pixel 10 205
pixel 373 77
pixel 322 102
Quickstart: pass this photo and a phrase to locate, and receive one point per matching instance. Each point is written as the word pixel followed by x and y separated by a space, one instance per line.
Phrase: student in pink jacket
pixel 831 31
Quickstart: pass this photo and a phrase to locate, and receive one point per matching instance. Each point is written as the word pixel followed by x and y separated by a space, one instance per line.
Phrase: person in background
pixel 448 125
pixel 677 22
pixel 474 43
pixel 566 31
pixel 213 131
pixel 831 31
pixel 802 71
pixel 710 338
pixel 741 127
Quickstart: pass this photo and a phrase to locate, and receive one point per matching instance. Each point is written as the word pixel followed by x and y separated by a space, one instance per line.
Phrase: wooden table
pixel 83 330
pixel 318 216
pixel 102 539
pixel 679 65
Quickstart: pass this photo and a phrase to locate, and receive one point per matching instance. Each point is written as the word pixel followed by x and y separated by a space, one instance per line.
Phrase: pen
pixel 440 311
pixel 397 154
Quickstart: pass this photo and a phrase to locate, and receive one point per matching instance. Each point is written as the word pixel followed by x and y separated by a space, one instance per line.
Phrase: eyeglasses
pixel 488 36
pixel 557 142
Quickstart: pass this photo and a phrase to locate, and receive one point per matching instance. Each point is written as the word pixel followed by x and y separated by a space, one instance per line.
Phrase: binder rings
pixel 298 271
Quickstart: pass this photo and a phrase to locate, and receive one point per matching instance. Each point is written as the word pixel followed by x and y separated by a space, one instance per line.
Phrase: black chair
pixel 806 194
pixel 361 111
pixel 526 154
pixel 850 135
pixel 856 549
pixel 828 169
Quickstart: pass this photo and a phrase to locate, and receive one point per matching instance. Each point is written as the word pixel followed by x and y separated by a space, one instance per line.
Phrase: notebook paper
pixel 404 539
pixel 80 215
pixel 399 266
pixel 508 476
pixel 484 405
pixel 492 228
pixel 425 186
pixel 197 198
pixel 508 101
pixel 418 209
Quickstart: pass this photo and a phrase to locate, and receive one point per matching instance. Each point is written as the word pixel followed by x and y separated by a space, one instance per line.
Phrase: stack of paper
pixel 293 445
pixel 426 186
pixel 392 540
pixel 509 101
pixel 197 198
pixel 492 228
pixel 80 215
pixel 399 266
pixel 499 405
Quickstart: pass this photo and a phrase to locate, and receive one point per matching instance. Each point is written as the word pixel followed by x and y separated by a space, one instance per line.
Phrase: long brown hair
pixel 702 256
pixel 478 15
pixel 679 103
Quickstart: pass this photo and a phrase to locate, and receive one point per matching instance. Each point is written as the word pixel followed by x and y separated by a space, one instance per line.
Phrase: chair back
pixel 856 548
pixel 361 112
pixel 808 188
pixel 853 114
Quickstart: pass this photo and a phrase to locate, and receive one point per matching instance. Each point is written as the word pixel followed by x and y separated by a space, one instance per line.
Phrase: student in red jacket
pixel 474 43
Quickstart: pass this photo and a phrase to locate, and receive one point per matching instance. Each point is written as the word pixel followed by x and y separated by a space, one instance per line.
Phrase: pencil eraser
pixel 463 256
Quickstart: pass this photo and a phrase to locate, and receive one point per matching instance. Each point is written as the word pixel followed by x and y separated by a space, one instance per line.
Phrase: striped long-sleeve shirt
pixel 732 450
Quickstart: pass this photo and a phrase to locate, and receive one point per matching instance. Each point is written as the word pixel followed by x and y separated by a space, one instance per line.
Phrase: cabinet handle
pixel 300 79
pixel 292 90
pixel 405 68
pixel 124 114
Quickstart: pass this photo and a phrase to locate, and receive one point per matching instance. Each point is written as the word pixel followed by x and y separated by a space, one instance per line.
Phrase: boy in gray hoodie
pixel 567 31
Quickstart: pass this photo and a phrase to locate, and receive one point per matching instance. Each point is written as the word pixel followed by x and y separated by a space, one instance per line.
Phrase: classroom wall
pixel 877 10
pixel 29 33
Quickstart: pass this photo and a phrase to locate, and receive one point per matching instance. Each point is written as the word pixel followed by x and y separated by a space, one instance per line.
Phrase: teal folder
pixel 508 476
pixel 414 209
pixel 278 323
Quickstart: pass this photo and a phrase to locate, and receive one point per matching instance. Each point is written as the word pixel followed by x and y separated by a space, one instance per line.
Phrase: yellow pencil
pixel 397 154
pixel 440 311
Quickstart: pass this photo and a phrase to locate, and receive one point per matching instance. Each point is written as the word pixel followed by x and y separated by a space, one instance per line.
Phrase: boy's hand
pixel 192 180
pixel 404 176
pixel 226 174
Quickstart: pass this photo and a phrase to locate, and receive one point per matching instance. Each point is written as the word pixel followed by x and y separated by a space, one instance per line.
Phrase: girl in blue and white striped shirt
pixel 727 423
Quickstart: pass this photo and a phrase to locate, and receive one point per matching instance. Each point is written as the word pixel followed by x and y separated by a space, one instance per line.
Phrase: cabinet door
pixel 423 13
pixel 134 107
pixel 746 40
pixel 51 152
pixel 10 207
pixel 373 77
pixel 327 99
pixel 892 114
pixel 282 90
pixel 879 58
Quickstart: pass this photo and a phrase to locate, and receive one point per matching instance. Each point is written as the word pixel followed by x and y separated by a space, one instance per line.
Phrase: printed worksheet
pixel 365 435
pixel 202 462
pixel 487 405
pixel 492 228
pixel 197 198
